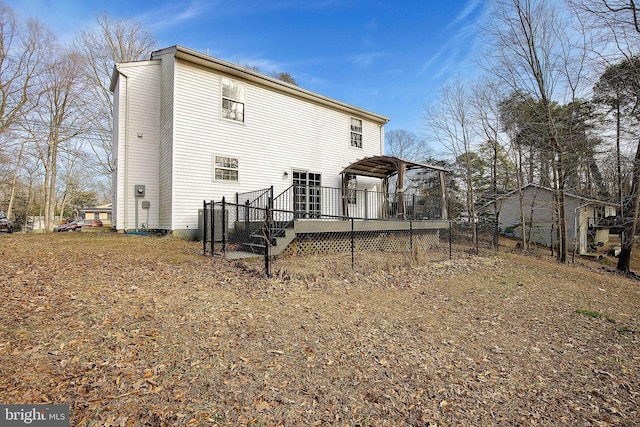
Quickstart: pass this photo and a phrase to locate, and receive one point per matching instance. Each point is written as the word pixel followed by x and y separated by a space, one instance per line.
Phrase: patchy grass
pixel 595 315
pixel 133 330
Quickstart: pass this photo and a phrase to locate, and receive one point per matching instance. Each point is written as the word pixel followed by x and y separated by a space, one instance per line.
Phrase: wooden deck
pixel 330 226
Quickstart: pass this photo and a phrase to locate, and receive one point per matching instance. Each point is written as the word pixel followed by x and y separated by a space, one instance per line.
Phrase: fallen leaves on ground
pixel 144 331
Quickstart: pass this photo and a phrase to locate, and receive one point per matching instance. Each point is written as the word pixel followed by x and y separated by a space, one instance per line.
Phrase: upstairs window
pixel 225 168
pixel 232 100
pixel 356 133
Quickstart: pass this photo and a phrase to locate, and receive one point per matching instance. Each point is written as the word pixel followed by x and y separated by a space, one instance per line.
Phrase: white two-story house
pixel 189 127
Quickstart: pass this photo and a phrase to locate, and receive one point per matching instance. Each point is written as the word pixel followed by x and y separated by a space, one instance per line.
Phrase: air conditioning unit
pixel 218 225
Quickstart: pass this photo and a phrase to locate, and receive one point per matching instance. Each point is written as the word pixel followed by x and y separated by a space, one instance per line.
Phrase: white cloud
pixel 173 15
pixel 366 59
pixel 459 43
pixel 464 13
pixel 432 60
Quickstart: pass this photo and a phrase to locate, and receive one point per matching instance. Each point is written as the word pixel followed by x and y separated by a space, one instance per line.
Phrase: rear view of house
pixel 189 127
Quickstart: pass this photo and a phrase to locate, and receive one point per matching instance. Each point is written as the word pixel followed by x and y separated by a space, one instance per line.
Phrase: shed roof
pixel 551 190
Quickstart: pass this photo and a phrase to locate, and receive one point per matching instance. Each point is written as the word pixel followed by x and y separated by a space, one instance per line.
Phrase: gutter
pixel 228 68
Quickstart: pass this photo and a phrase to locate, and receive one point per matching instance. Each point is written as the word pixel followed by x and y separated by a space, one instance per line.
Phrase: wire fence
pixel 272 237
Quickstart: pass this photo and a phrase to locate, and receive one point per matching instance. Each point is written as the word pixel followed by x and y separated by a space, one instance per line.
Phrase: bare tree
pixel 100 49
pixel 513 114
pixel 449 121
pixel 57 119
pixel 22 52
pixel 619 21
pixel 33 173
pixel 285 77
pixel 74 176
pixel 609 92
pixel 406 145
pixel 531 50
pixel 486 100
pixel 16 174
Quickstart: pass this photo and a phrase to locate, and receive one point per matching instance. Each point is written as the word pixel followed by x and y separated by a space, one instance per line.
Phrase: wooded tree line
pixel 55 114
pixel 556 104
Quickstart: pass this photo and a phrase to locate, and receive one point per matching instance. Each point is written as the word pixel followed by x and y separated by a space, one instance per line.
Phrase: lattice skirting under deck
pixel 385 241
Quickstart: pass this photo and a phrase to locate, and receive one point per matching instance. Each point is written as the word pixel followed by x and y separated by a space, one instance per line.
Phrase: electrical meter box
pixel 138 190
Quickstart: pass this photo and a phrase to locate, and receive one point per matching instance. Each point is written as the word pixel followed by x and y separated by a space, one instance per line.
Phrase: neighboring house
pixel 101 212
pixel 583 216
pixel 36 223
pixel 189 127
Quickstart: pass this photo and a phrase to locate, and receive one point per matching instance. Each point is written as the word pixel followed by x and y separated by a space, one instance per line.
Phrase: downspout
pixel 126 149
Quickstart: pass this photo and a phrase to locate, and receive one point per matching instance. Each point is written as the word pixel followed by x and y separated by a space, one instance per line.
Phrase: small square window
pixel 356 133
pixel 225 168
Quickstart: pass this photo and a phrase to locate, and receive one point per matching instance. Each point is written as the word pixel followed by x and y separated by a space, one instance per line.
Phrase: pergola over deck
pixel 385 167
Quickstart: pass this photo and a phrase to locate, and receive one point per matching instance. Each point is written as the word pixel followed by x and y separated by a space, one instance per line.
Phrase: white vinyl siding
pixel 269 144
pixel 116 136
pixel 176 106
pixel 138 141
pixel 166 143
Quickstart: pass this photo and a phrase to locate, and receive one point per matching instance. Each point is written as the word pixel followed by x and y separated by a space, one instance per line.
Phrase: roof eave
pixel 542 187
pixel 228 68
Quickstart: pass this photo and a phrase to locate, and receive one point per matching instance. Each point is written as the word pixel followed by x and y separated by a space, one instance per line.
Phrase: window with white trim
pixel 225 168
pixel 356 132
pixel 232 100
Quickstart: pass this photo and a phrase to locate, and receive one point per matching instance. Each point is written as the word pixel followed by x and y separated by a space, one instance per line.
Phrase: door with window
pixel 306 194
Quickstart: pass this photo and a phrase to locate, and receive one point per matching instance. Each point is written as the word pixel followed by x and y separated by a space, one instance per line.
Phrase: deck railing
pixel 251 202
pixel 317 202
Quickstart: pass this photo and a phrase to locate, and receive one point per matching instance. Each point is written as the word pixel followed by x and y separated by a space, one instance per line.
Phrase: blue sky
pixel 389 57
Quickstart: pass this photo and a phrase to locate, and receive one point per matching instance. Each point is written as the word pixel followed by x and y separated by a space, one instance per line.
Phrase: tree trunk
pixel 520 183
pixel 624 259
pixel 562 220
pixel 618 161
pixel 14 181
pixel 50 184
pixel 26 214
pixel 47 197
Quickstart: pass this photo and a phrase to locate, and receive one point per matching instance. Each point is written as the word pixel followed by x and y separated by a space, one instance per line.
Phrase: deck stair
pixel 282 233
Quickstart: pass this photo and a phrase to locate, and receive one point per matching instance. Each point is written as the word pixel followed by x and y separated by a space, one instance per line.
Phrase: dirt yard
pixel 143 331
